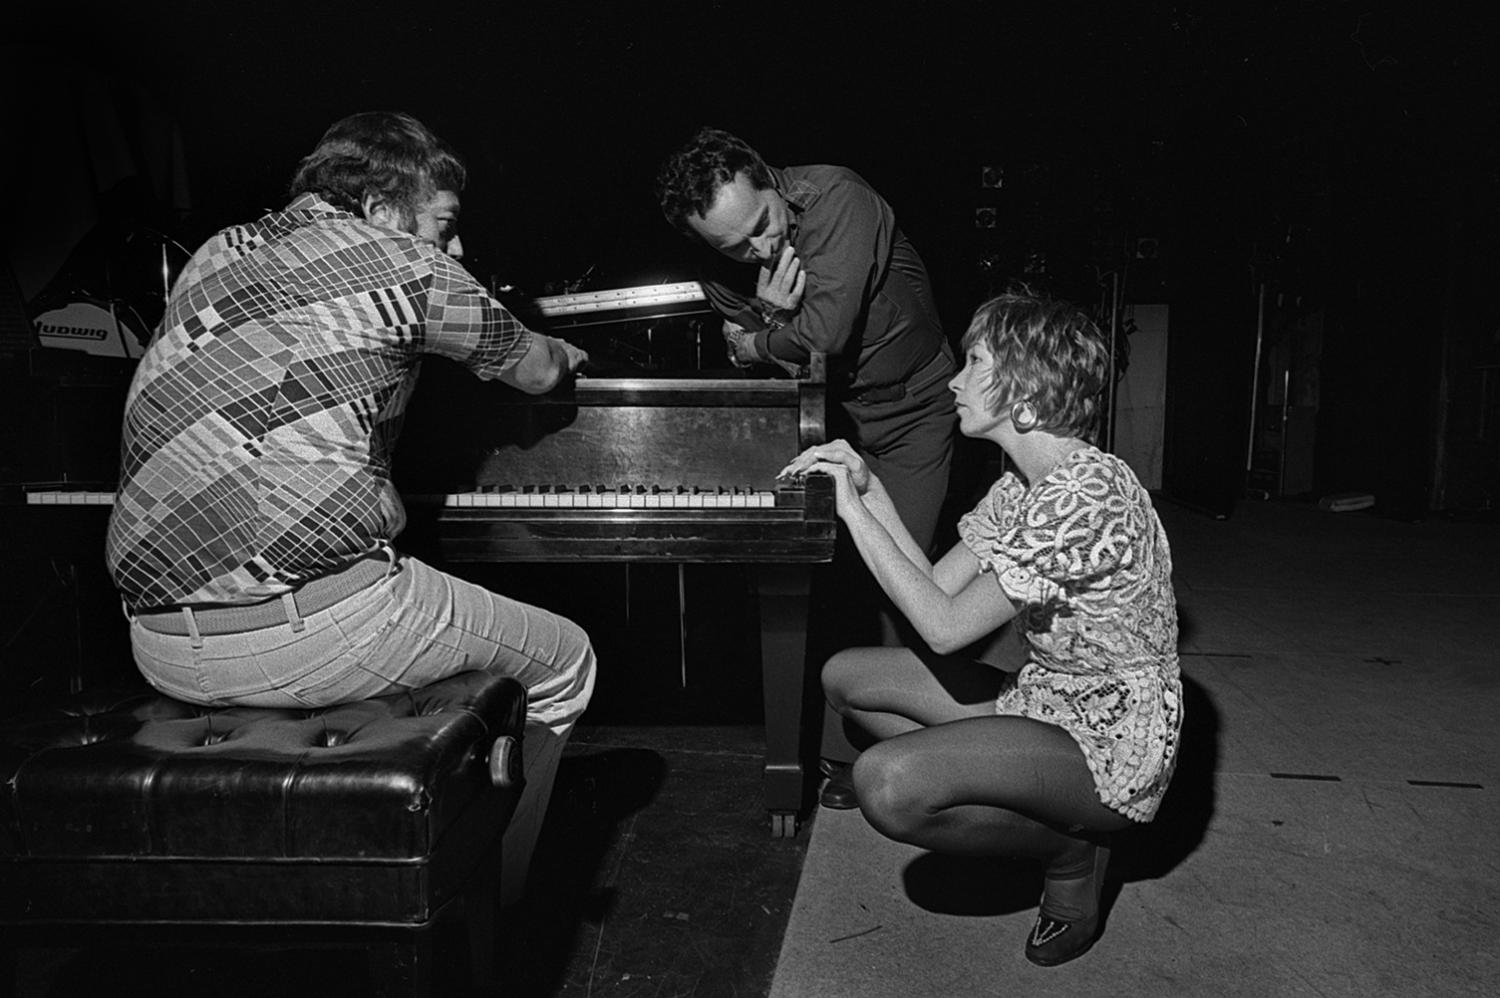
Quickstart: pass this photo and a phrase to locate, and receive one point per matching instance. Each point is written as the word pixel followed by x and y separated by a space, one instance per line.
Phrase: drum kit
pixel 62 396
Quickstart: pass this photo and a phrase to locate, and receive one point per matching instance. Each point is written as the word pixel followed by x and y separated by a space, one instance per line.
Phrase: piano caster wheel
pixel 783 825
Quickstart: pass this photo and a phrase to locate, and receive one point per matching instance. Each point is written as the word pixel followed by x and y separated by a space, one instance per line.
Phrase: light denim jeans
pixel 415 626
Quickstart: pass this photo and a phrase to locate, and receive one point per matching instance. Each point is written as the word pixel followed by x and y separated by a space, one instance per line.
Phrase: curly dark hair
pixel 691 176
pixel 1046 351
pixel 388 155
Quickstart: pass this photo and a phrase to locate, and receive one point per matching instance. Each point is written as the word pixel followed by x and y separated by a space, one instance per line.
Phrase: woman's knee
pixel 836 677
pixel 844 675
pixel 895 798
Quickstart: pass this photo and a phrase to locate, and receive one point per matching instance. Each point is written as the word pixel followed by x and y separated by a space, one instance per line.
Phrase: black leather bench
pixel 375 823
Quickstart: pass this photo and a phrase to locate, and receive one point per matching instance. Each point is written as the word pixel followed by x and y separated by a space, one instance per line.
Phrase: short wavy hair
pixel 1048 352
pixel 691 177
pixel 388 155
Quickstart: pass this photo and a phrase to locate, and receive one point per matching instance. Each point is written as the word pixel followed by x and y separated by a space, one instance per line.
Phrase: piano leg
pixel 783 592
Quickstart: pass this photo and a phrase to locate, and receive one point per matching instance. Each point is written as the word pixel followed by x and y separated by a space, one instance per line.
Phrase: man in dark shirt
pixel 251 537
pixel 810 258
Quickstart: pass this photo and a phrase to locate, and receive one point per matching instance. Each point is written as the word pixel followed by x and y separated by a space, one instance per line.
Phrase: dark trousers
pixel 908 443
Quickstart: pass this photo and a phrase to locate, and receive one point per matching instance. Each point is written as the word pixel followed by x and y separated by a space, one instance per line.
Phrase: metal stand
pixel 1112 304
pixel 1260 334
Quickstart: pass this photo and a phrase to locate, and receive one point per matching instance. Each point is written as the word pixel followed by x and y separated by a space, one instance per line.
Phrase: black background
pixel 1342 152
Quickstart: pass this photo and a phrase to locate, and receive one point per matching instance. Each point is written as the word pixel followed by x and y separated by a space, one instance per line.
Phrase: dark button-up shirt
pixel 867 303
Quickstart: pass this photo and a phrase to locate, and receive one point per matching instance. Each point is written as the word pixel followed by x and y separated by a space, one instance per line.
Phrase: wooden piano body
pixel 641 460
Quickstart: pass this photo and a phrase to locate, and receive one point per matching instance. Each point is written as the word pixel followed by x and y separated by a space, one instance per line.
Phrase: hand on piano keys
pixel 605 497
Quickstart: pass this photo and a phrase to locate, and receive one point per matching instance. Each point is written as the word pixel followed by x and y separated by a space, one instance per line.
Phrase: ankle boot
pixel 1068 923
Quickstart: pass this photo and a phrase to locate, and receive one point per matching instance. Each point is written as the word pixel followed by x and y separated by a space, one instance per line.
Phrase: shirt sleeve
pixel 980 528
pixel 845 246
pixel 1075 529
pixel 734 307
pixel 465 324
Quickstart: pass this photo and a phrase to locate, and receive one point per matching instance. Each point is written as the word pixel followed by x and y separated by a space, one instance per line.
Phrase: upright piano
pixel 660 452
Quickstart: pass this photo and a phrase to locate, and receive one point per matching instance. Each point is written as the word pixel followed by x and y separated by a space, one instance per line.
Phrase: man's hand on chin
pixel 781 285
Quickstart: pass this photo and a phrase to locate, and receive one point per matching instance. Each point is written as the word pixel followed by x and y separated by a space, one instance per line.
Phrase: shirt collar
pixel 314 203
pixel 796 192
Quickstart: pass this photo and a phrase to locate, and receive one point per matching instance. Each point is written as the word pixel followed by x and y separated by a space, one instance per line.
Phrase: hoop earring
pixel 1023 416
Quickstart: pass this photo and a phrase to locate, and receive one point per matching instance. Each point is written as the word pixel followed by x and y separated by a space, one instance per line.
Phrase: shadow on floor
pixel 595 798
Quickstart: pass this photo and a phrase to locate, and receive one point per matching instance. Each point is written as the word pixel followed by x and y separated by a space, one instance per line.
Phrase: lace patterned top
pixel 1084 557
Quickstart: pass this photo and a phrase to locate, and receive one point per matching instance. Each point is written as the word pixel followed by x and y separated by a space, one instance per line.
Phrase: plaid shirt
pixel 259 426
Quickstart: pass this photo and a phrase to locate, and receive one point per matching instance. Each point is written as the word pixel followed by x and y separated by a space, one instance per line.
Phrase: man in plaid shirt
pixel 251 535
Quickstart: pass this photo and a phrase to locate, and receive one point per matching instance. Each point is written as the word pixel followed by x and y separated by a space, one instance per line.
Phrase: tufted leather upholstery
pixel 138 808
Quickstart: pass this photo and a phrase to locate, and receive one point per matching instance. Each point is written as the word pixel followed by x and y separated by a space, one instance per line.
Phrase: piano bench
pixel 374 824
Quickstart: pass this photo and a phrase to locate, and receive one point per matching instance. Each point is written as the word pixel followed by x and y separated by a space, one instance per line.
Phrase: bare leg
pixel 1000 786
pixel 893 691
pixel 976 786
pixel 881 692
pixel 950 775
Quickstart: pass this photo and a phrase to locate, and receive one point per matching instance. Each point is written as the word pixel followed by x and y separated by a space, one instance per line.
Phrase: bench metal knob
pixel 505 762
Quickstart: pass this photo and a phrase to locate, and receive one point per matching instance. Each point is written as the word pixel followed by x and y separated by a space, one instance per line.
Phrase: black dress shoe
pixel 1055 939
pixel 838 792
pixel 1053 942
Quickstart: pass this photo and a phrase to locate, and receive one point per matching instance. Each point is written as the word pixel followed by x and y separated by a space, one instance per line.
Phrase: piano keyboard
pixel 69 497
pixel 586 498
pixel 524 498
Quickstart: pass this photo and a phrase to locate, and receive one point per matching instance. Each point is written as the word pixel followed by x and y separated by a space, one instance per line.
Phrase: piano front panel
pixel 663 446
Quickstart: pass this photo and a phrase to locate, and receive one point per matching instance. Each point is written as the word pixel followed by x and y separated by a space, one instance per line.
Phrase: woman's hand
pixel 852 478
pixel 781 286
pixel 832 457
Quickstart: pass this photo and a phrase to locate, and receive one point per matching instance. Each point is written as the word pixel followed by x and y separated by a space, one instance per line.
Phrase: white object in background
pixel 97 328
